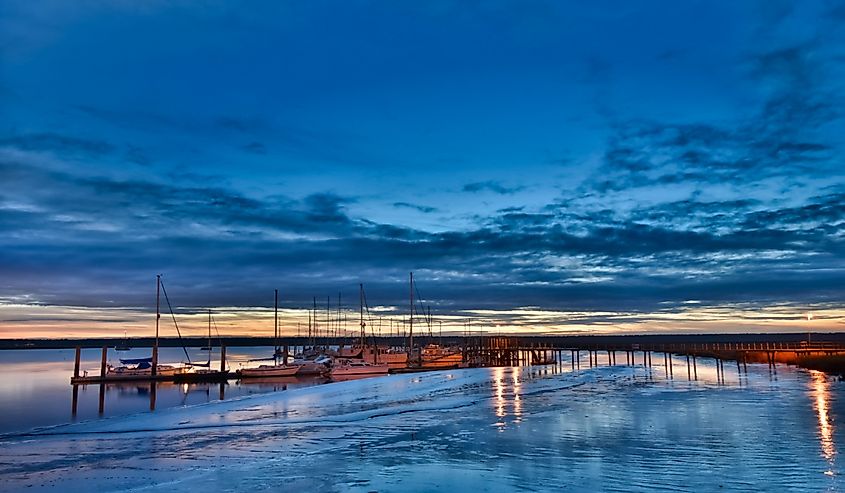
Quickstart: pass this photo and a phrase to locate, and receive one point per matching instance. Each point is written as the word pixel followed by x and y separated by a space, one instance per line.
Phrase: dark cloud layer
pixel 706 174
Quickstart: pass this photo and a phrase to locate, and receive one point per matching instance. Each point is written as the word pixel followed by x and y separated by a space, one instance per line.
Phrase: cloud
pixel 421 208
pixel 64 144
pixel 491 186
pixel 255 148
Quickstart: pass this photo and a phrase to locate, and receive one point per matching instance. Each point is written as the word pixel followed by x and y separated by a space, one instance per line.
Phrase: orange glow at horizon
pixel 51 321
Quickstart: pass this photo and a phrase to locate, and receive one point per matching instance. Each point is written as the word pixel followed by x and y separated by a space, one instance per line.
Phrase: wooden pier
pixel 484 351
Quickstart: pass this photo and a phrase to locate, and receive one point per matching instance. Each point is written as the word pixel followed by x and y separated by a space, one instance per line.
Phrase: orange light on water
pixel 822 395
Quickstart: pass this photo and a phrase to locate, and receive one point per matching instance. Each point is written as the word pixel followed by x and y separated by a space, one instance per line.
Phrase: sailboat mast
pixel 314 334
pixel 361 296
pixel 276 319
pixel 411 318
pixel 158 301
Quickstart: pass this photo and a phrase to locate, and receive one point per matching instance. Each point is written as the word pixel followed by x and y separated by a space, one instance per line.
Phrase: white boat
pixel 270 371
pixel 141 369
pixel 313 366
pixel 345 367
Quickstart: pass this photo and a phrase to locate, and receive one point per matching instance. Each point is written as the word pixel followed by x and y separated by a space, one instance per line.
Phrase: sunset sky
pixel 546 167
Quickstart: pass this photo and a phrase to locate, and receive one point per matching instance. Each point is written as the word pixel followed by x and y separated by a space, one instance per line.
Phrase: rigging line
pixel 178 332
pixel 214 323
pixel 426 317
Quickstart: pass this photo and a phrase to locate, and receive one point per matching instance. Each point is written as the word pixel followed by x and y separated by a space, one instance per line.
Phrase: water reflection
pixel 507 391
pixel 821 393
pixel 499 388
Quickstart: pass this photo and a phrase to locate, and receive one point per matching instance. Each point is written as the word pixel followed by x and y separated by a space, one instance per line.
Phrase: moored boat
pixel 346 367
pixel 269 371
pixel 313 366
pixel 395 359
pixel 202 375
pixel 140 369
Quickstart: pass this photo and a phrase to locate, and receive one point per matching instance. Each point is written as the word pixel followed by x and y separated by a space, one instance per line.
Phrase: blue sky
pixel 615 165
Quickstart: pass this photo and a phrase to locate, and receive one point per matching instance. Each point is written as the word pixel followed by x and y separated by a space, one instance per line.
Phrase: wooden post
pixel 153 387
pixel 76 363
pixel 222 358
pixel 75 401
pixel 694 368
pixel 154 369
pixel 103 362
pixel 689 373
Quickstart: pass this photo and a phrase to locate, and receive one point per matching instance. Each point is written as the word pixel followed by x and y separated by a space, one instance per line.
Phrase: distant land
pixel 574 340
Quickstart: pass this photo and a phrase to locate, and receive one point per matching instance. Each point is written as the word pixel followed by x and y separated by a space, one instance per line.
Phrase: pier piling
pixel 103 362
pixel 76 362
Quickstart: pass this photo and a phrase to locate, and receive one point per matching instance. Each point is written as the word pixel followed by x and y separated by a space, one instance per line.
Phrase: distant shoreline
pixel 6 344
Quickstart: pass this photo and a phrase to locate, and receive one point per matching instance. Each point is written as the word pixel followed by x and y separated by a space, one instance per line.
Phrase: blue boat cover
pixel 136 361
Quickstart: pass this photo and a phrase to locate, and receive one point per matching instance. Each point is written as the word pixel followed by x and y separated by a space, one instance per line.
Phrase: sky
pixel 541 167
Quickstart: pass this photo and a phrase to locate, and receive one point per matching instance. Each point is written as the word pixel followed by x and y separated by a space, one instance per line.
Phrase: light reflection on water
pixel 821 392
pixel 35 386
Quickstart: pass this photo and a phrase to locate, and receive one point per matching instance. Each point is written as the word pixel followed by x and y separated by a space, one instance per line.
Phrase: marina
pixel 369 432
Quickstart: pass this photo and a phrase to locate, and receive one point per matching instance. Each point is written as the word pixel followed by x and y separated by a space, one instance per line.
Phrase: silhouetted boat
pixel 123 346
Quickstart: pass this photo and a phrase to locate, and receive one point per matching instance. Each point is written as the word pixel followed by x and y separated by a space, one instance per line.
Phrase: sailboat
pixel 433 355
pixel 343 367
pixel 202 372
pixel 146 368
pixel 278 369
pixel 123 346
pixel 208 347
pixel 372 353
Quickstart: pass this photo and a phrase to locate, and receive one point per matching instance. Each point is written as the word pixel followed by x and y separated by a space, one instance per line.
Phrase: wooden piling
pixel 222 358
pixel 75 400
pixel 76 362
pixel 694 369
pixel 103 362
pixel 154 368
pixel 102 406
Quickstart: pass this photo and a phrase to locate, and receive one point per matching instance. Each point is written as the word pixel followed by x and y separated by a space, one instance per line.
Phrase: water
pixel 495 429
pixel 35 385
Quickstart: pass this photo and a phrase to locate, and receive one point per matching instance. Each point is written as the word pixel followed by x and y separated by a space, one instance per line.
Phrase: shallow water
pixel 35 385
pixel 497 429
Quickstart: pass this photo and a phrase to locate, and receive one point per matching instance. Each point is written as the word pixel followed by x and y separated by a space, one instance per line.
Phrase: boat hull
pixel 272 371
pixel 345 371
pixel 392 360
pixel 311 368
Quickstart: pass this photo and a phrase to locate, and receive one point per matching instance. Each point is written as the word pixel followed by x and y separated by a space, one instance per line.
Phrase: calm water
pixel 35 385
pixel 498 429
